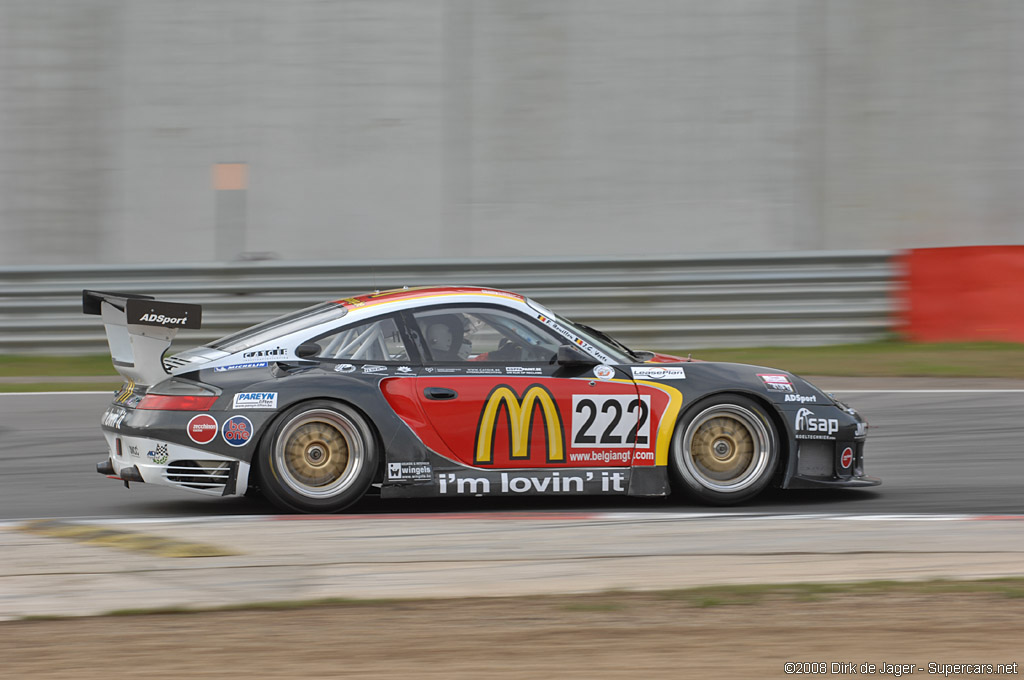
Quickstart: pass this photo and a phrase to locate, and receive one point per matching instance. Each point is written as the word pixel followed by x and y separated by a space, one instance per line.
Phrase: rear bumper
pixel 143 460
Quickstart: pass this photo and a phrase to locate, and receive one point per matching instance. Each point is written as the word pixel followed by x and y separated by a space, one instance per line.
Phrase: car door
pixel 492 392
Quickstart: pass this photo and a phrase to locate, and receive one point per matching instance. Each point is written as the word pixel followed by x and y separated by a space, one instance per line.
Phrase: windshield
pixel 606 344
pixel 279 327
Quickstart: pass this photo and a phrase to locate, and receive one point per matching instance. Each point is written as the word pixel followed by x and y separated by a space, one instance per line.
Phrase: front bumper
pixel 150 461
pixel 828 464
pixel 849 483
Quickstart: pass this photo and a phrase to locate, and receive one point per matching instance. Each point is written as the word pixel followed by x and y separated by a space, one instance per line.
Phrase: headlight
pixel 843 407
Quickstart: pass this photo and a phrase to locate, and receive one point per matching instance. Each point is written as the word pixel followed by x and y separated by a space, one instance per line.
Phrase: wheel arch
pixel 761 400
pixel 771 410
pixel 271 425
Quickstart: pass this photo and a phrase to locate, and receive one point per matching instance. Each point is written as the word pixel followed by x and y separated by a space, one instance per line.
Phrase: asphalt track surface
pixel 938 447
pixel 950 507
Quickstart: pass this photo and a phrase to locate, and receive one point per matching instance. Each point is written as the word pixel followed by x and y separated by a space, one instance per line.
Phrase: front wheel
pixel 320 456
pixel 725 450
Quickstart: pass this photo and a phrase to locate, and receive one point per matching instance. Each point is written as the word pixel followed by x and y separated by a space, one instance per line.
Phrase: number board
pixel 611 420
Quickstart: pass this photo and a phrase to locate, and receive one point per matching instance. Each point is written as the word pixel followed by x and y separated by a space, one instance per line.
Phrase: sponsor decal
pixel 125 393
pixel 413 472
pixel 519 414
pixel 236 430
pixel 524 370
pixel 166 314
pixel 133 450
pixel 641 457
pixel 862 429
pixel 275 353
pixel 604 372
pixel 373 368
pixel 483 371
pixel 405 370
pixel 158 455
pixel 202 429
pixel 802 398
pixel 255 400
pixel 113 417
pixel 659 372
pixel 572 337
pixel 611 421
pixel 847 458
pixel 133 401
pixel 429 369
pixel 808 426
pixel 239 367
pixel 776 382
pixel 162 320
pixel 534 482
pixel 345 368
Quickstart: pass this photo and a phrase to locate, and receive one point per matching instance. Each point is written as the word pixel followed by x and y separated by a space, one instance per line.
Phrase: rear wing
pixel 139 330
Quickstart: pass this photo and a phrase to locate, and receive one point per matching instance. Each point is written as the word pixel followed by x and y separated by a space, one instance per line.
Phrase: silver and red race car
pixel 452 391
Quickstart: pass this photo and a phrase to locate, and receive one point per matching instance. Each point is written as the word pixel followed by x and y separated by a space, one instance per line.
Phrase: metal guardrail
pixel 744 300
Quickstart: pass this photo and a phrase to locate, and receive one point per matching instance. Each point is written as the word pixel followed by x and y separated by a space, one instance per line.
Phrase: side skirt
pixel 422 482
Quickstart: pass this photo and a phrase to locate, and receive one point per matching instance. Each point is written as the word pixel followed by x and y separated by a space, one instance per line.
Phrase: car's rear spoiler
pixel 139 330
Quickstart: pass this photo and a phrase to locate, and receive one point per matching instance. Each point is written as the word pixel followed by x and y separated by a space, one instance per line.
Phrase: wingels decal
pixel 520 414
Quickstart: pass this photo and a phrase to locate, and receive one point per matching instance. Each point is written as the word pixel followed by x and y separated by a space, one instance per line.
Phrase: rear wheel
pixel 725 450
pixel 320 456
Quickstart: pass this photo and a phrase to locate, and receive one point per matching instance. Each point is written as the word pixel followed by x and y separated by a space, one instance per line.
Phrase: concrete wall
pixel 426 128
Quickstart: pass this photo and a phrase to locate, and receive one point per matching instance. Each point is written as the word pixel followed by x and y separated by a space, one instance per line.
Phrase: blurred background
pixel 147 131
pixel 681 173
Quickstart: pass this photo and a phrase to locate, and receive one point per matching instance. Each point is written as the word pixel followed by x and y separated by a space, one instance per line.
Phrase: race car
pixel 452 391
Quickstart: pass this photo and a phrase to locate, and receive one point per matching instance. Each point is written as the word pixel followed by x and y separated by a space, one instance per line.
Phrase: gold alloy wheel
pixel 319 453
pixel 725 448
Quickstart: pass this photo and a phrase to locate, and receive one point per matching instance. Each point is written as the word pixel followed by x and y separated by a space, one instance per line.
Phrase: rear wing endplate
pixel 139 330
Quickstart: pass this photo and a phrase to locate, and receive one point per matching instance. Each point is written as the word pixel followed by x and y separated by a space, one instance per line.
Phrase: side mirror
pixel 570 355
pixel 307 350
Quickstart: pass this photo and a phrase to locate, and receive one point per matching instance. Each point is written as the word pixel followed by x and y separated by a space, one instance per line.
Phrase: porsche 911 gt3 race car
pixel 452 391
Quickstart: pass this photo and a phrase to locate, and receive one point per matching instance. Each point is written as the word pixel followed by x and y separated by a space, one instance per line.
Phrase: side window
pixel 484 334
pixel 375 340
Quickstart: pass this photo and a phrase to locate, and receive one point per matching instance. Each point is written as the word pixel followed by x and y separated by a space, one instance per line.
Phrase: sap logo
pixel 808 399
pixel 822 428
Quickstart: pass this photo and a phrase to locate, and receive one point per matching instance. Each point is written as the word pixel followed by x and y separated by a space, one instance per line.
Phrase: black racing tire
pixel 725 450
pixel 319 457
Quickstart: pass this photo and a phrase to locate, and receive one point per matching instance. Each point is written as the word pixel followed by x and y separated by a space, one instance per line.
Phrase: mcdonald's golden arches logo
pixel 520 414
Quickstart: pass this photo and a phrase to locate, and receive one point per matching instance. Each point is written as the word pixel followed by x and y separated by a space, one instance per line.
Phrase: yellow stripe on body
pixel 667 426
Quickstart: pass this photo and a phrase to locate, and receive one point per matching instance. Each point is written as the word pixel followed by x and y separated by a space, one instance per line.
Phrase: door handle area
pixel 440 393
